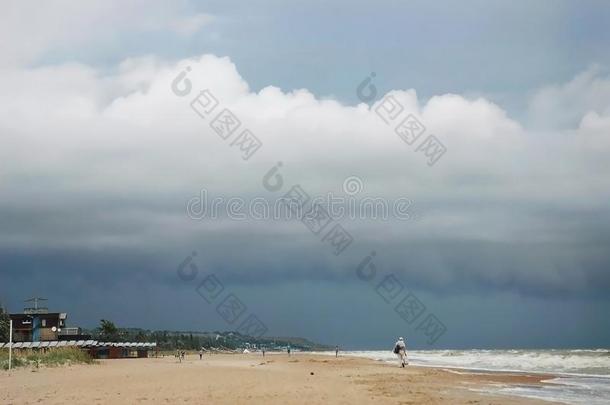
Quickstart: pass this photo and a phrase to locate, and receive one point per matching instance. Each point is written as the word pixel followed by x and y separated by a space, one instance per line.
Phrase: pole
pixel 10 344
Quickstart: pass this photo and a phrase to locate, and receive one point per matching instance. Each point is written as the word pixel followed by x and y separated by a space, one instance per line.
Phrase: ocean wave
pixel 581 376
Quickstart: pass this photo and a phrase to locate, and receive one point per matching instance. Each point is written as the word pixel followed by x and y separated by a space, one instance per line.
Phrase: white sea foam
pixel 583 374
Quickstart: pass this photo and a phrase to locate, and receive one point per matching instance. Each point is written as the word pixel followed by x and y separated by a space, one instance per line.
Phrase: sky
pixel 103 157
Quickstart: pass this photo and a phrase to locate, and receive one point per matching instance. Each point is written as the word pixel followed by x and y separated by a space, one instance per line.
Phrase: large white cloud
pixel 93 159
pixel 562 106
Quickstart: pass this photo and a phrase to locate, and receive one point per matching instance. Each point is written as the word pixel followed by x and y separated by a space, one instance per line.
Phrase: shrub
pixel 52 357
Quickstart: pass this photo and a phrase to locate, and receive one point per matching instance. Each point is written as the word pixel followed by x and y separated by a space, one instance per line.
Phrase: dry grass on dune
pixel 53 357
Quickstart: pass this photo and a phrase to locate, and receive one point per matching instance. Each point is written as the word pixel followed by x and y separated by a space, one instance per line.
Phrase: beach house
pixel 38 329
pixel 37 324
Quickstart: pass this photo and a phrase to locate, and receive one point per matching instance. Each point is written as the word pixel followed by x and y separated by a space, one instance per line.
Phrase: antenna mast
pixel 36 309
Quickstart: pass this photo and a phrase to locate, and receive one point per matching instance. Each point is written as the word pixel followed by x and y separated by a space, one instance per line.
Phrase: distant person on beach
pixel 400 349
pixel 288 351
pixel 337 351
pixel 178 355
pixel 200 353
pixel 263 349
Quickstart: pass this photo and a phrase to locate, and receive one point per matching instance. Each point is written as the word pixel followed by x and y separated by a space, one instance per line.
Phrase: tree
pixel 140 336
pixel 4 325
pixel 108 331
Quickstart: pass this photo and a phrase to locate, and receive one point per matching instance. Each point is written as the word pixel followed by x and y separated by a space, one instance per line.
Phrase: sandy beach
pixel 241 379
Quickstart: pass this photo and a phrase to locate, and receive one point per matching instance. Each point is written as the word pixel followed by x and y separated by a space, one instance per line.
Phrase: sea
pixel 581 376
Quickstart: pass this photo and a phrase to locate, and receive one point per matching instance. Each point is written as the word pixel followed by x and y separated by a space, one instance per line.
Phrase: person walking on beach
pixel 400 349
pixel 337 351
pixel 263 349
pixel 288 350
pixel 178 355
pixel 200 353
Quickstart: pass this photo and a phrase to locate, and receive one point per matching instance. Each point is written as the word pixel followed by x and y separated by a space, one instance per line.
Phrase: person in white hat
pixel 400 349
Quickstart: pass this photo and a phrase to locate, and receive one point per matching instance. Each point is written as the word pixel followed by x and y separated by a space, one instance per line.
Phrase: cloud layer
pixel 106 160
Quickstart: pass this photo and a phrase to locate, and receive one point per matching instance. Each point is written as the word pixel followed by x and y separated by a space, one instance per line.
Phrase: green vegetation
pixel 172 340
pixel 4 325
pixel 50 358
pixel 108 332
pixel 17 361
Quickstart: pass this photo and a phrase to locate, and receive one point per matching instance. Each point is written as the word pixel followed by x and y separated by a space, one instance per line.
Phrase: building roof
pixel 79 343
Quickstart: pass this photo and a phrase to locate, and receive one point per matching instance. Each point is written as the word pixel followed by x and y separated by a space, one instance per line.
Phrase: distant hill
pixel 193 340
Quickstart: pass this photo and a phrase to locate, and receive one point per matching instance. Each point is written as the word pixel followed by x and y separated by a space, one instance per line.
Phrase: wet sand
pixel 250 378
